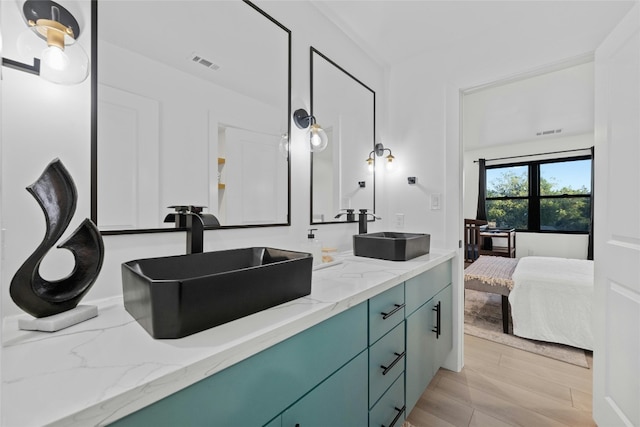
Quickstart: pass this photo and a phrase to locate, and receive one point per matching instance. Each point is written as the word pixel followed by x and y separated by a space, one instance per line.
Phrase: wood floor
pixel 504 386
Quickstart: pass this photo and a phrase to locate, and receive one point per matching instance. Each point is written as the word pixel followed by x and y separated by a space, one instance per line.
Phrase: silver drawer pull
pixel 386 369
pixel 397 307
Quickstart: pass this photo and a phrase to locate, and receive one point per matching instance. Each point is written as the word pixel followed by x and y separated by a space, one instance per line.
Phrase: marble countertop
pixel 100 370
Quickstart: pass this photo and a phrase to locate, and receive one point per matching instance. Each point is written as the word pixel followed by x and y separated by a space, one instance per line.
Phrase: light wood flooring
pixel 503 386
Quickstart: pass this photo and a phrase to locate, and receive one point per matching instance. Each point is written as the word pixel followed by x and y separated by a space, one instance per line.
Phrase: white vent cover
pixel 548 132
pixel 203 61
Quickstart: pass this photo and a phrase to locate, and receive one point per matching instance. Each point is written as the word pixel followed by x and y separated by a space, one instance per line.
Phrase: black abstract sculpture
pixel 56 193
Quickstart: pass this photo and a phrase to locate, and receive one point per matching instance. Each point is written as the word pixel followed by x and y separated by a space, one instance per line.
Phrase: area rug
pixel 483 319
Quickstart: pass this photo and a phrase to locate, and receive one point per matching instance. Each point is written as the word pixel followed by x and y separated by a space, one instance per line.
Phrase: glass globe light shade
pixel 390 164
pixel 65 63
pixel 318 139
pixel 370 164
pixel 55 58
pixel 76 70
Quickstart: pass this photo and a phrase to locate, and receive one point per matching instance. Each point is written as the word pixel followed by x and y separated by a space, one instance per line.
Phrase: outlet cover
pixel 399 221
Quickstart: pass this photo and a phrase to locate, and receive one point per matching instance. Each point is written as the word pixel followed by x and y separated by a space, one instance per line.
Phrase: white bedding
pixel 551 300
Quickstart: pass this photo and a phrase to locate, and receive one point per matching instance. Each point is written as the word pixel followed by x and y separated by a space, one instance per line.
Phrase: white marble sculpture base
pixel 59 321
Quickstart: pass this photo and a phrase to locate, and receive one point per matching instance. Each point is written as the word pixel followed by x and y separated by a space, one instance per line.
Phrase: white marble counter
pixel 105 368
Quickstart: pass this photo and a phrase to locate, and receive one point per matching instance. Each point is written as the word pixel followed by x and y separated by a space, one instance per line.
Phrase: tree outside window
pixel 548 196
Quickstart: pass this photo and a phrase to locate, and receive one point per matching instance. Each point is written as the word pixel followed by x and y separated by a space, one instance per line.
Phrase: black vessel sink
pixel 172 297
pixel 391 246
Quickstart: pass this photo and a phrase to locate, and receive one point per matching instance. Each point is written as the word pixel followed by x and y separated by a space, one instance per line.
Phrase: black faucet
pixel 351 216
pixel 362 218
pixel 194 220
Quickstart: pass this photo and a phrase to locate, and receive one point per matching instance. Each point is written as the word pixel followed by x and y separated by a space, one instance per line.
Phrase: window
pixel 545 196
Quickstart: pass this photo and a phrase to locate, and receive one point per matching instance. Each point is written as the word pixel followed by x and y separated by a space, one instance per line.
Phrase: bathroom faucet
pixel 362 218
pixel 351 216
pixel 192 218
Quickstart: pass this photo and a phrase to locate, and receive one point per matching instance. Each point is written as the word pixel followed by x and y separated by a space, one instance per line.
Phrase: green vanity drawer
pixel 386 362
pixel 255 390
pixel 340 401
pixel 390 410
pixel 385 311
pixel 423 287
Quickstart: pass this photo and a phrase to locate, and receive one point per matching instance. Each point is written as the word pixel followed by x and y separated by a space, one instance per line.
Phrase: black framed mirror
pixel 188 108
pixel 346 109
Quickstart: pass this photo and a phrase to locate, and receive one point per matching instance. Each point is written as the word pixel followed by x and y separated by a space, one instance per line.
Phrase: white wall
pixel 424 132
pixel 42 121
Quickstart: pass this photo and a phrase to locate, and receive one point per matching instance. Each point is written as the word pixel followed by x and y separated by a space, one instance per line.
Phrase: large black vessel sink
pixel 172 297
pixel 391 246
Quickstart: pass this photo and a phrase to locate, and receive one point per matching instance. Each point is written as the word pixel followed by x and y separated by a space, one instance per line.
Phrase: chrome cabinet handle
pixel 386 369
pixel 397 307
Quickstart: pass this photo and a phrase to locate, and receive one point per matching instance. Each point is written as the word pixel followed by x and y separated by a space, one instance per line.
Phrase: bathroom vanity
pixel 359 350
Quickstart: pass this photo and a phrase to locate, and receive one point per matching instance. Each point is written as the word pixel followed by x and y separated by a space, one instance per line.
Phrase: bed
pixel 550 298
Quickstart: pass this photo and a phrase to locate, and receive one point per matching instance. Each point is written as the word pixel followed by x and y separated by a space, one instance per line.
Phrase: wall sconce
pixel 318 139
pixel 379 151
pixel 61 60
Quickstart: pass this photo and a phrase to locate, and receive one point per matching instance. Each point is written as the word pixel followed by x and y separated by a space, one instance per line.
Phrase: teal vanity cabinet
pixel 322 369
pixel 429 329
pixel 368 365
pixel 387 358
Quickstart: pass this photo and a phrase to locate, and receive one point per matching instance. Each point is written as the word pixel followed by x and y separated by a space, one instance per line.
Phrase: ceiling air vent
pixel 548 132
pixel 205 62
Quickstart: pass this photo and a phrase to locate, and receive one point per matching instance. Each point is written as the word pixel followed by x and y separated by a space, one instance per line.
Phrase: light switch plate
pixel 436 199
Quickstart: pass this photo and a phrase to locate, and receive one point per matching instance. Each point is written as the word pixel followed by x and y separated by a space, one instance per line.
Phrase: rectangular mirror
pixel 191 107
pixel 345 108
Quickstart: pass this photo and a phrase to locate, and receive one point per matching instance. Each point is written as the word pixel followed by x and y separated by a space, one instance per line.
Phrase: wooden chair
pixel 472 240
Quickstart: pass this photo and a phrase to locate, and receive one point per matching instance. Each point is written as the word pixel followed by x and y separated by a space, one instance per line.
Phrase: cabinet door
pixel 390 410
pixel 444 343
pixel 421 352
pixel 341 400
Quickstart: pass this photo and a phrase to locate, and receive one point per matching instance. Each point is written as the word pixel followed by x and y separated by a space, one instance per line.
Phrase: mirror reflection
pixel 345 107
pixel 192 105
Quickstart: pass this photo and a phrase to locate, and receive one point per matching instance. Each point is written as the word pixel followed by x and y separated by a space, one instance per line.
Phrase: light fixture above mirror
pixel 317 137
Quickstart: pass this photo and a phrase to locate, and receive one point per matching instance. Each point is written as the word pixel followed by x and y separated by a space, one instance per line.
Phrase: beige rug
pixel 483 319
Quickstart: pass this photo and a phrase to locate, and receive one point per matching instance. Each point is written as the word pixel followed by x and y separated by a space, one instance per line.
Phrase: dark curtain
pixel 482 190
pixel 590 246
pixel 487 244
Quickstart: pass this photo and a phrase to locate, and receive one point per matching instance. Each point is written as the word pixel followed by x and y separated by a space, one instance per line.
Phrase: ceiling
pixel 557 36
pixel 394 31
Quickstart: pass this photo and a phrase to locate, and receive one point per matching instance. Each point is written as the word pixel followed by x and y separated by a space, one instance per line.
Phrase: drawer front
pixel 385 311
pixel 386 362
pixel 390 410
pixel 423 287
pixel 340 401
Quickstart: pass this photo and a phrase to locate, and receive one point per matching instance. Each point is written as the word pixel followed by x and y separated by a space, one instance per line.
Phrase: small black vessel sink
pixel 175 296
pixel 391 246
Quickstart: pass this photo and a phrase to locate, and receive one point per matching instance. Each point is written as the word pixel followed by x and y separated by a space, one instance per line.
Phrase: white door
pixel 616 387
